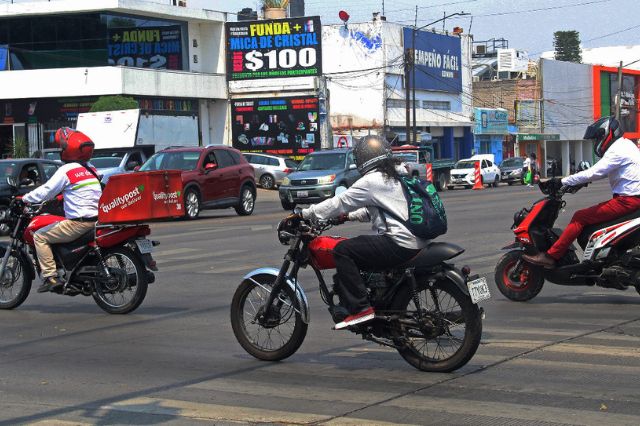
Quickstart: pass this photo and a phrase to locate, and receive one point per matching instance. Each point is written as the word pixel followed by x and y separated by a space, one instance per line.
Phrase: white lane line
pixel 182 250
pixel 213 255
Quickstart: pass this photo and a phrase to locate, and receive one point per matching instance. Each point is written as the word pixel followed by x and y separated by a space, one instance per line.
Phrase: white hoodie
pixel 363 201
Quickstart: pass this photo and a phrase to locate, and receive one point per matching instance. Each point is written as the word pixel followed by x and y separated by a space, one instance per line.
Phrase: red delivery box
pixel 142 197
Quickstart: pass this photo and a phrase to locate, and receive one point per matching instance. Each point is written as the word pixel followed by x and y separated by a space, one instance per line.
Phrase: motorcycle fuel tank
pixel 37 223
pixel 321 251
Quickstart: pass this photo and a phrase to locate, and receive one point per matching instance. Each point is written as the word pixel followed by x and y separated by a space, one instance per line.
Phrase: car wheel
pixel 191 204
pixel 449 187
pixel 496 182
pixel 441 185
pixel 267 182
pixel 247 201
pixel 287 205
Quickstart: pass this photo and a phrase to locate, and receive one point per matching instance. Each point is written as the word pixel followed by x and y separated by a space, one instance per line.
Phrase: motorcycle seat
pixel 83 240
pixel 432 255
pixel 589 230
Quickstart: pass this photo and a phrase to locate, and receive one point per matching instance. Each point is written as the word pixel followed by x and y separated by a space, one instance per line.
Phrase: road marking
pixel 196 410
pixel 188 267
pixel 606 350
pixel 162 253
pixel 54 422
pixel 212 255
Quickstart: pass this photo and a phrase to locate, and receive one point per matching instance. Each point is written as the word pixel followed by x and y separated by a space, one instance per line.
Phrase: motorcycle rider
pixel 620 161
pixel 81 189
pixel 378 190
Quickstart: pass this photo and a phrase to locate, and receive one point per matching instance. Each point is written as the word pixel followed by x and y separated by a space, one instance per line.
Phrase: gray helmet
pixel 370 152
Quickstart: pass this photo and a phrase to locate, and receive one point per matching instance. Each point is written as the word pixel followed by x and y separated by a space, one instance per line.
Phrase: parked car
pixel 213 177
pixel 270 169
pixel 117 161
pixel 416 159
pixel 511 170
pixel 52 154
pixel 29 173
pixel 319 176
pixel 464 172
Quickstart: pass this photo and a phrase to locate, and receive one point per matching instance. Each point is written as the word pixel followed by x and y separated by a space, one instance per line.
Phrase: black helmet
pixel 604 132
pixel 370 152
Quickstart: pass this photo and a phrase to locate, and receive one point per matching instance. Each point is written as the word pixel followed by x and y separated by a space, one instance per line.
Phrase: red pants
pixel 616 207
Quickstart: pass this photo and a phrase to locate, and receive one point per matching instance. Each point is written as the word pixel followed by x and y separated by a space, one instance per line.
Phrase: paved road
pixel 570 356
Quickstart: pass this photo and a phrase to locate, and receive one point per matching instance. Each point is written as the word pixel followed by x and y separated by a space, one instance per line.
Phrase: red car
pixel 213 177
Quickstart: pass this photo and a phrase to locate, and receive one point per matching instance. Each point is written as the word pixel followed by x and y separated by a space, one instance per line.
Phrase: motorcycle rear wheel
pixel 16 284
pixel 131 287
pixel 455 334
pixel 288 329
pixel 528 283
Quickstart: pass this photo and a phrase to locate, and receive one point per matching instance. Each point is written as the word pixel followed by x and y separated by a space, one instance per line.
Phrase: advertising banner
pixel 279 48
pixel 491 121
pixel 287 126
pixel 146 47
pixel 438 60
pixel 628 100
pixel 4 53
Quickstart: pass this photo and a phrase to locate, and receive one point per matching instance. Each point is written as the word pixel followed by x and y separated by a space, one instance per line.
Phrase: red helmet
pixel 604 132
pixel 75 145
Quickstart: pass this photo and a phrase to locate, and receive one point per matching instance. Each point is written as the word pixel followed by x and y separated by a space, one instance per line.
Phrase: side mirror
pixel 352 166
pixel 131 165
pixel 209 167
pixel 12 182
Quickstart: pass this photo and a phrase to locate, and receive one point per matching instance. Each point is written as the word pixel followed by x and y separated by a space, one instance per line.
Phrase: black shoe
pixel 50 284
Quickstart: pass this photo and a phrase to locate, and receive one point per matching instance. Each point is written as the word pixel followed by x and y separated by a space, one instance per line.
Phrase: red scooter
pixel 113 263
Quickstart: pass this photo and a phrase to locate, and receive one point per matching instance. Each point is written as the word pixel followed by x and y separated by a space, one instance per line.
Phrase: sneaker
pixel 50 284
pixel 363 316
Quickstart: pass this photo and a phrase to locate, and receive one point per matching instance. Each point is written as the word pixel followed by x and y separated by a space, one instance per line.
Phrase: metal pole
pixel 407 98
pixel 619 97
pixel 414 138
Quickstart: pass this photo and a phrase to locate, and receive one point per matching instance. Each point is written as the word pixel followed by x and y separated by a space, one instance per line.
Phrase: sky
pixel 527 24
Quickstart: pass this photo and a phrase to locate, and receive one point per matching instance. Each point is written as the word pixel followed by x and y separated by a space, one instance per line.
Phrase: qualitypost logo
pixel 125 200
pixel 167 197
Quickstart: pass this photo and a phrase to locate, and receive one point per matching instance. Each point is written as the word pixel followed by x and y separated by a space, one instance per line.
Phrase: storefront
pixel 605 89
pixel 491 130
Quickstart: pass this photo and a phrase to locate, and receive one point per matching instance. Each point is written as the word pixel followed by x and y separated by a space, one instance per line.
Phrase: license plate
pixel 303 194
pixel 145 246
pixel 479 290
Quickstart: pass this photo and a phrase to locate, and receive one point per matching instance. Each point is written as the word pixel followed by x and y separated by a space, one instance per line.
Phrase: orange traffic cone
pixel 478 181
pixel 429 172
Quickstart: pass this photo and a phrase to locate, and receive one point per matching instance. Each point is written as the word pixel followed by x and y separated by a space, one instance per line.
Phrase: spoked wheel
pixel 247 201
pixel 267 182
pixel 443 333
pixel 15 284
pixel 191 204
pixel 518 280
pixel 126 287
pixel 274 338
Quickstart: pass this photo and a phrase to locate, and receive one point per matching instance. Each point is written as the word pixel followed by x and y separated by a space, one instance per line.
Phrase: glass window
pixel 258 160
pixel 407 157
pixel 236 156
pixel 248 157
pixel 323 162
pixel 224 158
pixel 290 163
pixel 210 159
pixel 30 174
pixel 172 160
pixel 466 164
pixel 512 162
pixel 49 169
pixel 350 158
pixel 273 161
pixel 136 158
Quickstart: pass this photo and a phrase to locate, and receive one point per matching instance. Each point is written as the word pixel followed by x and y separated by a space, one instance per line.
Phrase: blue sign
pixel 491 121
pixel 4 52
pixel 438 60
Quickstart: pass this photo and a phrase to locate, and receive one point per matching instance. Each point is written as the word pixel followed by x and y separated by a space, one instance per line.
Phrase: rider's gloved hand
pixel 344 217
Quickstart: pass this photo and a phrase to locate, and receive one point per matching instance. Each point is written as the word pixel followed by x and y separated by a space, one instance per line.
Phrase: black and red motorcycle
pixel 611 250
pixel 113 263
pixel 426 309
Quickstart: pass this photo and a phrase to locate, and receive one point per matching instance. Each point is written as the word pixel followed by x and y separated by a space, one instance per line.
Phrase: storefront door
pixel 6 140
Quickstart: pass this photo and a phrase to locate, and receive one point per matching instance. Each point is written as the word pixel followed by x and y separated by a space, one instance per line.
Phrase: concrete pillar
pixel 447 143
pixel 468 143
pixel 587 151
pixel 543 161
pixel 577 153
pixel 566 158
pixel 203 116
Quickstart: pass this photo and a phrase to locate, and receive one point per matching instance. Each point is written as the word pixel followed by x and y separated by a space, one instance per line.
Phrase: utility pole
pixel 414 139
pixel 619 96
pixel 408 65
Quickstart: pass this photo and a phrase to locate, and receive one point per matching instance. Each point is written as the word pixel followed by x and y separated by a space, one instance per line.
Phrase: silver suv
pixel 319 176
pixel 270 169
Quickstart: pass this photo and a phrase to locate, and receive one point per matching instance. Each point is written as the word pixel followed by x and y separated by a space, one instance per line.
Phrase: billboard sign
pixel 146 47
pixel 279 48
pixel 491 121
pixel 605 86
pixel 287 126
pixel 438 60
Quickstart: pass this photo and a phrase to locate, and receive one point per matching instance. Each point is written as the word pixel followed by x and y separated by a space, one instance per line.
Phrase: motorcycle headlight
pixel 326 179
pixel 286 181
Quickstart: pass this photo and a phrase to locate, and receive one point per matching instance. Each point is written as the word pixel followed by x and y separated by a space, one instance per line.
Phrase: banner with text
pixel 287 126
pixel 280 48
pixel 146 47
pixel 438 60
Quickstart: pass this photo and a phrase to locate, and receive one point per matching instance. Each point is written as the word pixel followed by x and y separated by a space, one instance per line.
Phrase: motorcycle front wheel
pixel 518 285
pixel 15 284
pixel 443 333
pixel 275 338
pixel 126 287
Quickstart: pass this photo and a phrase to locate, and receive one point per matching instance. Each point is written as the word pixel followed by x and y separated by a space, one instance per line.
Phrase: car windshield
pixel 176 160
pixel 7 169
pixel 408 157
pixel 105 162
pixel 323 162
pixel 465 164
pixel 512 162
pixel 52 155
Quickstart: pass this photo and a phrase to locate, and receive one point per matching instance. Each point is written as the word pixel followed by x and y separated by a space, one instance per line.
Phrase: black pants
pixel 367 252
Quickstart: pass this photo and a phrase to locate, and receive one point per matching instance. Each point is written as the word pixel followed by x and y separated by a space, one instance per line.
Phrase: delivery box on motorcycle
pixel 141 197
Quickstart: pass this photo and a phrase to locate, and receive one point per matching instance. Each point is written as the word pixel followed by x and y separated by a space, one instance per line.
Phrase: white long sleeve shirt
pixel 621 163
pixel 363 201
pixel 80 189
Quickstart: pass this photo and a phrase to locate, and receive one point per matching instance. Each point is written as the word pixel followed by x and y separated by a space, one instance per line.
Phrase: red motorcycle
pixel 426 309
pixel 113 263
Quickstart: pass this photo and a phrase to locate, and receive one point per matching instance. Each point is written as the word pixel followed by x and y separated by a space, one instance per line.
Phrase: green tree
pixel 20 148
pixel 114 103
pixel 567 46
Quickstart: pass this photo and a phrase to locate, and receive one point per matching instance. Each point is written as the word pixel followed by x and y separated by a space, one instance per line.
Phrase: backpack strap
pixel 90 170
